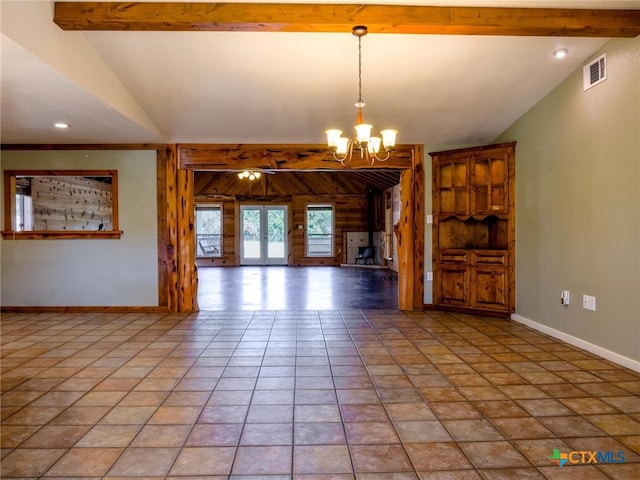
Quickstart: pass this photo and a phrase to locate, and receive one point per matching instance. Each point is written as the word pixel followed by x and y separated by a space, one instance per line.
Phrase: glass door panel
pixel 263 239
pixel 251 235
pixel 276 250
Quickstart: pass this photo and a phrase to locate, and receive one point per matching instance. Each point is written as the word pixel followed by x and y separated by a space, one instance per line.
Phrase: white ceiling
pixel 232 87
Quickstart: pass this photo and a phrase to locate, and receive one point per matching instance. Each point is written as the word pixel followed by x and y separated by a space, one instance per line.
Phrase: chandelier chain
pixel 360 102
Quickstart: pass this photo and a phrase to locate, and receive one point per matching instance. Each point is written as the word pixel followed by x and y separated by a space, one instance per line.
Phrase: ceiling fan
pixel 251 174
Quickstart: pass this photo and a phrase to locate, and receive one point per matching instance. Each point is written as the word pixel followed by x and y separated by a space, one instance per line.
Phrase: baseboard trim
pixel 68 309
pixel 578 342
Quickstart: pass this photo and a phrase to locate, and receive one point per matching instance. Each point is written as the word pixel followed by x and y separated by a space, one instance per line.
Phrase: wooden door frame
pixel 181 160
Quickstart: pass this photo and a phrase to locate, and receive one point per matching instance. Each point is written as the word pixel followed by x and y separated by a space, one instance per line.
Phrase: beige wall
pixel 578 207
pixel 83 272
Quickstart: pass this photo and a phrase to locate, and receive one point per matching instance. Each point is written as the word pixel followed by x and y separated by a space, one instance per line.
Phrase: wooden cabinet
pixel 474 228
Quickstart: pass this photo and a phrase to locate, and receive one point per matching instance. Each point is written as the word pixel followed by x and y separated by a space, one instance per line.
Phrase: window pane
pixel 320 230
pixel 208 231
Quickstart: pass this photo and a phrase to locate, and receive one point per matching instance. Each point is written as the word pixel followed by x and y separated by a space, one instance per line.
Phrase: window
pixel 61 204
pixel 24 209
pixel 208 230
pixel 320 230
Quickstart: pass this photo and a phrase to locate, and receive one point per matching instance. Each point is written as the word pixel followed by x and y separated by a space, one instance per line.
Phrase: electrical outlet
pixel 429 276
pixel 589 302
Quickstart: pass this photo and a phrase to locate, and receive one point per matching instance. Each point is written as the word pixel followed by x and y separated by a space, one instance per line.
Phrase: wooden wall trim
pixel 322 17
pixel 163 228
pixel 419 227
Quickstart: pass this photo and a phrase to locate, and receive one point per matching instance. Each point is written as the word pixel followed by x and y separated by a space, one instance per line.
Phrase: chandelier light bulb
pixel 374 144
pixel 389 138
pixel 333 136
pixel 343 146
pixel 363 132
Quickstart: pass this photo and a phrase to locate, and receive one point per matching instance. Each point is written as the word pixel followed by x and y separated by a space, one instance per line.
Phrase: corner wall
pixel 85 272
pixel 578 208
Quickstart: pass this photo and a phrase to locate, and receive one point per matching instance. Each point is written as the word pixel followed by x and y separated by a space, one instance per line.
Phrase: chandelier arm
pixel 346 158
pixel 380 159
pixel 349 152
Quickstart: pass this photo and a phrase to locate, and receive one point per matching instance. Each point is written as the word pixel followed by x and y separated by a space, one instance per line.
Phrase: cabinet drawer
pixel 454 257
pixel 489 258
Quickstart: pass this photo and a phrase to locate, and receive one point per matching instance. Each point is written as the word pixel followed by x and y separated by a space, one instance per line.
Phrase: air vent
pixel 594 72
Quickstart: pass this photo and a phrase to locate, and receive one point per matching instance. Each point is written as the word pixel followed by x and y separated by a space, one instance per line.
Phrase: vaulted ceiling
pixel 149 86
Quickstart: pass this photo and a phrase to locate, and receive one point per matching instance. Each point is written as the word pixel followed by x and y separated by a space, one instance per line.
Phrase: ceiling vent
pixel 594 72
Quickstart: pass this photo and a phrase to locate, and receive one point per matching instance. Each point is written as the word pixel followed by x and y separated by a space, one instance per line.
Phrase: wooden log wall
pixel 346 193
pixel 71 203
pixel 350 215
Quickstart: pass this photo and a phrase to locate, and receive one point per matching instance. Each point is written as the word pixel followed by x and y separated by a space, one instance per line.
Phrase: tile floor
pixel 336 394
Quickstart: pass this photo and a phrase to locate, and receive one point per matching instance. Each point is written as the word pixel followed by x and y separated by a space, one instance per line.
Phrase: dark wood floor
pixel 296 288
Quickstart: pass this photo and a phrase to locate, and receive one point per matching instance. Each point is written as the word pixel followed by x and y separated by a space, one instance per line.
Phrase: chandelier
pixel 249 174
pixel 368 146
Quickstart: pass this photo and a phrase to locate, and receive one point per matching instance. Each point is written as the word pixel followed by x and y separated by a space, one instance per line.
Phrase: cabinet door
pixel 452 185
pixel 489 182
pixel 490 288
pixel 454 285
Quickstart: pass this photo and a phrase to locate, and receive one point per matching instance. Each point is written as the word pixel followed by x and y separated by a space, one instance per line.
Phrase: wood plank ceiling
pixel 283 183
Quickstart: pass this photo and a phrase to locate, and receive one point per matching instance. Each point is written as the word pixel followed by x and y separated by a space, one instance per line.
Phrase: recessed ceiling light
pixel 561 53
pixel 61 125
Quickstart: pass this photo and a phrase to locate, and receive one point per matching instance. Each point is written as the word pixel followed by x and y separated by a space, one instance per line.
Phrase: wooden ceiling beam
pixel 280 157
pixel 399 19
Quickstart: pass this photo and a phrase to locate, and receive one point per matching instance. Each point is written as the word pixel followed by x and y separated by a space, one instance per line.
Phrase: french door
pixel 263 235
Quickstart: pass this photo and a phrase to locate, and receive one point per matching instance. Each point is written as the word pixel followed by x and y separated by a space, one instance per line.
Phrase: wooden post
pixel 187 274
pixel 161 201
pixel 168 226
pixel 418 230
pixel 405 237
